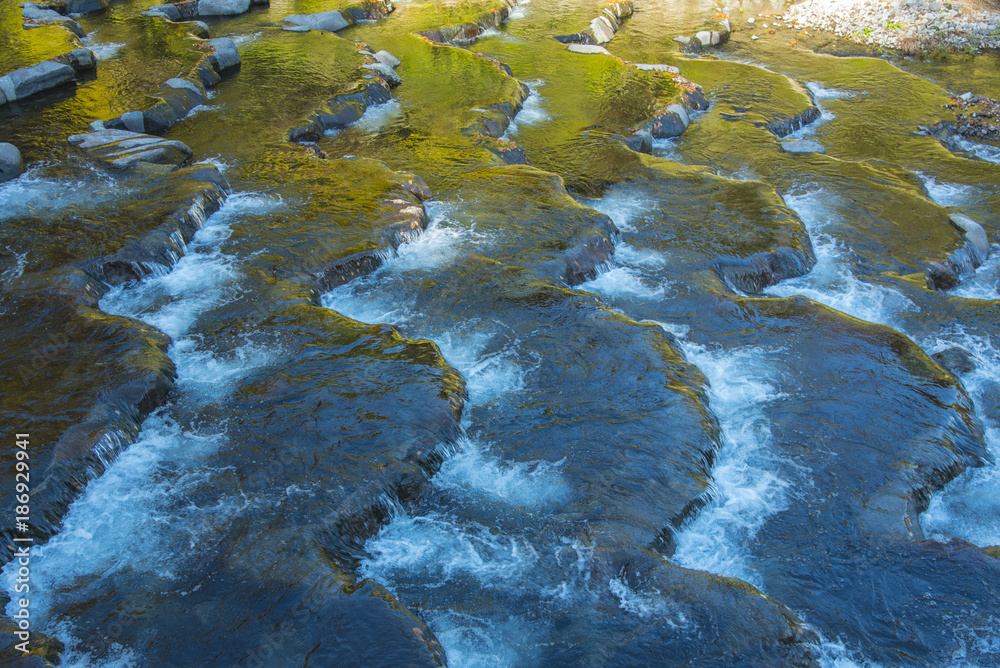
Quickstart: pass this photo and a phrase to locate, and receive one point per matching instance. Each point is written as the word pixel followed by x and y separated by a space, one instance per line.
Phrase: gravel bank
pixel 908 25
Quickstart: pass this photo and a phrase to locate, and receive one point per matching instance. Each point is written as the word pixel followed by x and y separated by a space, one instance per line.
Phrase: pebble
pixel 896 23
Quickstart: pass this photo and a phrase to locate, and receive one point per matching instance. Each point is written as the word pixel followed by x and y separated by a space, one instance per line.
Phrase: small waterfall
pixel 136 516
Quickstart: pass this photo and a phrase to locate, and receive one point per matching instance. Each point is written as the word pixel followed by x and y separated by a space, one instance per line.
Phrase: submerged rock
pixel 10 162
pixel 969 256
pixel 958 360
pixel 802 146
pixel 331 21
pixel 341 111
pixel 123 149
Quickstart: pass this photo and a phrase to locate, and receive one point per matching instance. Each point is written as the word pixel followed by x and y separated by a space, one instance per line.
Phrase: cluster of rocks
pixel 178 96
pixel 464 33
pixel 704 39
pixel 603 28
pixel 332 21
pixel 673 118
pixel 974 250
pixel 404 218
pixel 192 9
pixel 36 15
pixel 346 108
pixel 46 75
pixel 910 25
pixel 978 116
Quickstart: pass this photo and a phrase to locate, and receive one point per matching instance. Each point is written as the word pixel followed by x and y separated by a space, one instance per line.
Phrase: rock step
pixel 46 75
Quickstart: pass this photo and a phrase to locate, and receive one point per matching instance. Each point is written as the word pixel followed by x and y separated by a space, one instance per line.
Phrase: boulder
pixel 222 7
pixel 80 60
pixel 10 162
pixel 641 142
pixel 387 58
pixel 802 146
pixel 331 21
pixel 941 275
pixel 603 30
pixel 974 234
pixel 34 13
pixel 169 12
pixel 668 124
pixel 226 54
pixel 200 29
pixel 133 121
pixel 28 81
pixel 386 73
pixel 958 360
pixel 123 149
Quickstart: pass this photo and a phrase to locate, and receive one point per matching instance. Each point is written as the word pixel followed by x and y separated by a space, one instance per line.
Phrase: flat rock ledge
pixel 123 149
pixel 604 27
pixel 46 75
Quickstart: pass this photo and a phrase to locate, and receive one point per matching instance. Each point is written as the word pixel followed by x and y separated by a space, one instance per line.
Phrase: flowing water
pixel 336 419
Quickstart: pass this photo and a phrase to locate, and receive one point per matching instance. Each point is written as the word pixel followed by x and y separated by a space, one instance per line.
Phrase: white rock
pixel 974 232
pixel 587 49
pixel 705 37
pixel 682 112
pixel 657 68
pixel 387 58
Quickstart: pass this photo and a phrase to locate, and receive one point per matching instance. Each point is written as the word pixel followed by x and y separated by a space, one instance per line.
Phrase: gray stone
pixel 641 142
pixel 387 58
pixel 705 37
pixel 966 96
pixel 957 360
pixel 329 21
pixel 37 78
pixel 167 11
pixel 668 124
pixel 7 88
pixel 681 113
pixel 33 12
pixel 802 146
pixel 683 40
pixel 974 232
pixel 726 25
pixel 222 7
pixel 84 6
pixel 123 149
pixel 589 49
pixel 297 29
pixel 133 121
pixel 656 67
pixel 97 126
pixel 602 29
pixel 10 162
pixel 82 59
pixel 184 84
pixel 226 54
pixel 386 73
pixel 200 29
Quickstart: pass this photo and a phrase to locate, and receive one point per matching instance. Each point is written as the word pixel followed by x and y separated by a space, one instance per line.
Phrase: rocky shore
pixel 912 26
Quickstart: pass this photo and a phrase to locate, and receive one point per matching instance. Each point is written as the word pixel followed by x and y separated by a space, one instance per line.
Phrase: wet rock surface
pixel 429 339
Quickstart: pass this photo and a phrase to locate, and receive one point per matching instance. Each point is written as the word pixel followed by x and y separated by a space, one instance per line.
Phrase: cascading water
pixel 382 344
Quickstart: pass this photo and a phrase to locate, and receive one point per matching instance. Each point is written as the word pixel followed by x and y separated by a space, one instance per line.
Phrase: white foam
pixel 521 11
pixel 946 194
pixel 243 40
pixel 20 261
pixel 969 506
pixel 830 281
pixel 530 484
pixel 820 94
pixel 102 50
pixel 745 492
pixel 629 208
pixel 378 116
pixel 532 112
pixel 33 194
pixel 623 282
pixel 476 642
pixel 985 283
pixel 131 518
pixel 985 152
pixel 646 606
pixel 442 550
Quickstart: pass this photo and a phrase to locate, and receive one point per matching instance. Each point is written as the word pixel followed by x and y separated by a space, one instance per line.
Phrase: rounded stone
pixel 10 162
